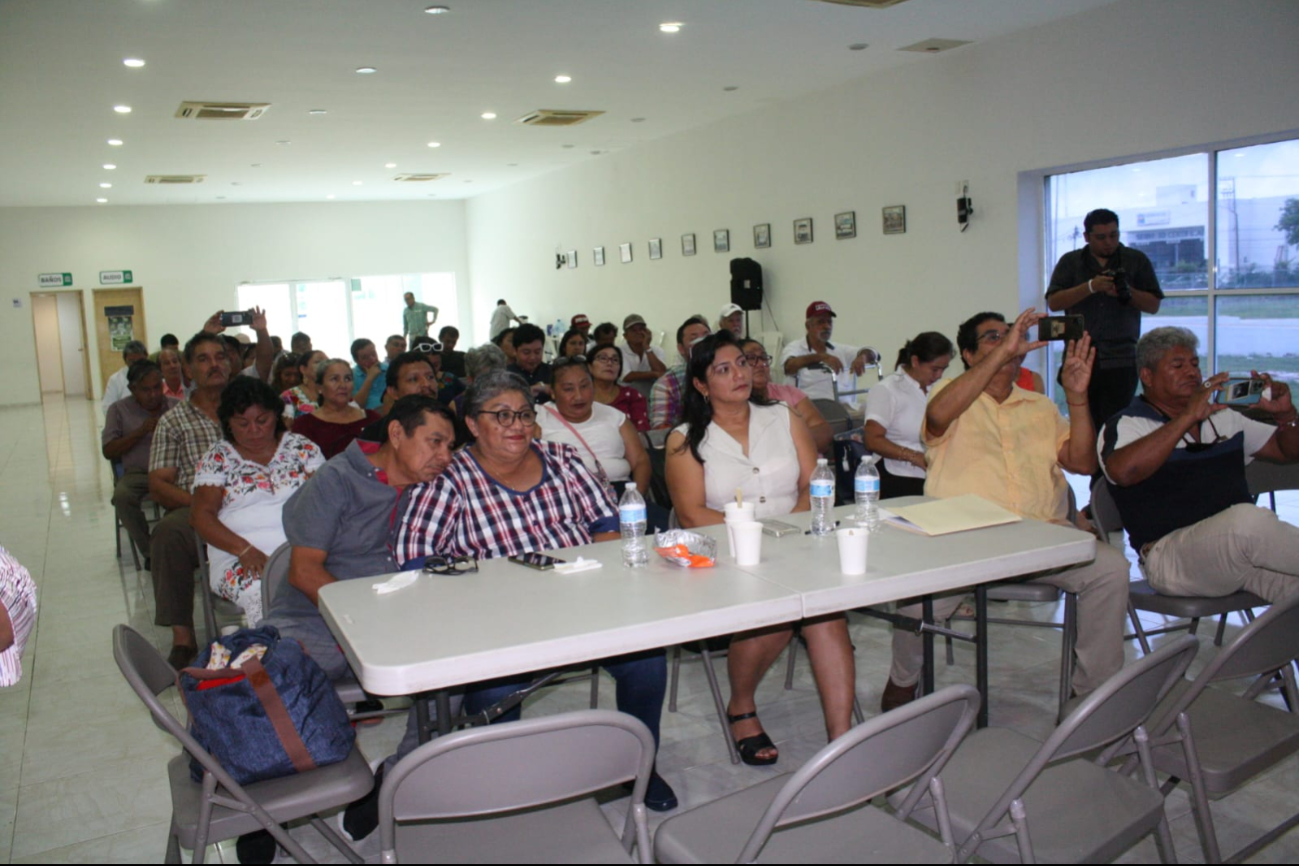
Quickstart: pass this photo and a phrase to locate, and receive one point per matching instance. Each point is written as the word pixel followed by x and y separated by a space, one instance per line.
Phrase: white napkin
pixel 400 580
pixel 582 564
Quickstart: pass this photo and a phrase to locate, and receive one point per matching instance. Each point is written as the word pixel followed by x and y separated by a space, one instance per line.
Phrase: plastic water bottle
pixel 822 498
pixel 631 518
pixel 866 491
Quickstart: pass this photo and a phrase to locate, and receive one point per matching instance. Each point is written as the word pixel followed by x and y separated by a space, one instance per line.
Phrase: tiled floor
pixel 82 768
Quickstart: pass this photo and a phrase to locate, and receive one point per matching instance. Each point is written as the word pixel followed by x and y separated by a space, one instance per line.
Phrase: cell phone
pixel 238 317
pixel 539 561
pixel 776 528
pixel 1241 392
pixel 1060 328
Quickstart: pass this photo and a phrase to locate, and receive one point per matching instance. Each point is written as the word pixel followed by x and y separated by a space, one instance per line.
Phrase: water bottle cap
pixel 631 485
pixel 820 461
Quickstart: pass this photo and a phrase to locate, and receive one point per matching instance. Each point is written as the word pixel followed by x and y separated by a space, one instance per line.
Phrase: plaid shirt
pixel 180 440
pixel 465 512
pixel 667 403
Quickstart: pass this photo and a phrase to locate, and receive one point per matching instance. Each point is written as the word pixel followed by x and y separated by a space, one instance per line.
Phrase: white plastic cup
pixel 748 541
pixel 852 549
pixel 736 513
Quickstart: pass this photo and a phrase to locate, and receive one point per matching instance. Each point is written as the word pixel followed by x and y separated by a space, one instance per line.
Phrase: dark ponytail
pixel 926 347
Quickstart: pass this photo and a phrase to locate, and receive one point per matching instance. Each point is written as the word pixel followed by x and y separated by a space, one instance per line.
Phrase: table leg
pixel 444 712
pixel 981 651
pixel 927 636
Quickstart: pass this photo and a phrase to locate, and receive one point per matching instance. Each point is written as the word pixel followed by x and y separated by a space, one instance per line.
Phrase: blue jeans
pixel 641 678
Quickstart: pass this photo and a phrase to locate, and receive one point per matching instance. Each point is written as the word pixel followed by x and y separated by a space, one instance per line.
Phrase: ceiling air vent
pixel 420 178
pixel 556 117
pixel 175 178
pixel 868 4
pixel 222 110
pixel 934 46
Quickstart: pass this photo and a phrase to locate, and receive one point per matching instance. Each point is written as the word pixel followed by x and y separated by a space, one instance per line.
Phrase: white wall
pixel 189 259
pixel 1137 77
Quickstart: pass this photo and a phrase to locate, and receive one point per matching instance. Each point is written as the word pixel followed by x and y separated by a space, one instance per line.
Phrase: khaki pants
pixel 1244 547
pixel 175 558
pixel 1102 588
pixel 128 496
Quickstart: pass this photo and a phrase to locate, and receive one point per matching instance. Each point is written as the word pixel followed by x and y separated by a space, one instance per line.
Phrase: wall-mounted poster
pixel 803 230
pixel 895 219
pixel 656 248
pixel 722 241
pixel 597 256
pixel 762 235
pixel 845 225
pixel 688 244
pixel 624 253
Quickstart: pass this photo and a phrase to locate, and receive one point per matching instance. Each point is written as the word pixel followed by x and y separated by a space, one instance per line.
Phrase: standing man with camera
pixel 1110 286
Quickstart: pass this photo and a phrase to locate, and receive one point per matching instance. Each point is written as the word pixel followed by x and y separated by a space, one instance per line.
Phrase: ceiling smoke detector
pixel 556 117
pixel 221 110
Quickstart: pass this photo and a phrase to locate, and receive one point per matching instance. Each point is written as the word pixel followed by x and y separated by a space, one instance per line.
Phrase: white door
pixel 73 350
pixel 49 361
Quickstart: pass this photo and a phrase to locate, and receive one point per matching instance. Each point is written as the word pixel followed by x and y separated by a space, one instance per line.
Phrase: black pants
pixel 1111 391
pixel 892 486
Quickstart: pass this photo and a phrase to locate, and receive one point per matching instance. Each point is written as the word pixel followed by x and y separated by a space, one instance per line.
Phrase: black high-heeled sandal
pixel 750 746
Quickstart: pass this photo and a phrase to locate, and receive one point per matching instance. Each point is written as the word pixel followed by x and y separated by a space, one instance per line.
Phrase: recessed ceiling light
pixel 284 141
pixel 331 195
pixel 390 165
pixel 437 10
pixel 316 111
pixel 105 186
pixel 670 27
pixel 435 144
pixel 366 70
pixel 356 183
pixel 102 200
pixel 115 142
pixel 122 109
pixel 858 46
pixel 108 166
pixel 133 62
pixel 563 79
pixel 489 115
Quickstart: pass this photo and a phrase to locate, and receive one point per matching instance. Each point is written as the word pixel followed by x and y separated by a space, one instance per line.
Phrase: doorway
pixel 119 319
pixel 62 364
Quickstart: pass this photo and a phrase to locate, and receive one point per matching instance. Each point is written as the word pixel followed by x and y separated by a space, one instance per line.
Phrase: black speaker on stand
pixel 746 287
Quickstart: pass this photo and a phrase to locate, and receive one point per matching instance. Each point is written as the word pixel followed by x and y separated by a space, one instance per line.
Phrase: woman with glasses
pixel 337 420
pixel 508 494
pixel 733 440
pixel 606 369
pixel 895 411
pixel 794 398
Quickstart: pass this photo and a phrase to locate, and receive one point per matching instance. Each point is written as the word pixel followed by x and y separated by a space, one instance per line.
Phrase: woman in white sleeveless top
pixel 729 442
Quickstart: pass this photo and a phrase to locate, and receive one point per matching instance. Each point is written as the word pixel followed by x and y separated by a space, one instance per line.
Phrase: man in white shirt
pixel 641 360
pixel 501 318
pixel 813 363
pixel 116 388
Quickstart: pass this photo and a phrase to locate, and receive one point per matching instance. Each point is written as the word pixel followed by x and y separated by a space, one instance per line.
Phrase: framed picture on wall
pixel 845 225
pixel 803 230
pixel 656 248
pixel 722 241
pixel 624 253
pixel 597 256
pixel 895 219
pixel 572 258
pixel 688 244
pixel 762 235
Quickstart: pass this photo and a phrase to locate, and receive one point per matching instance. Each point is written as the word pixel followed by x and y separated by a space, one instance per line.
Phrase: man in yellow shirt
pixel 985 435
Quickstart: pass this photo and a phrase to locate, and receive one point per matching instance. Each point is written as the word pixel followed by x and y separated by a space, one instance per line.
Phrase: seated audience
pixel 17 616
pixel 667 406
pixel 240 487
pixel 285 374
pixel 302 399
pixel 505 342
pixel 448 386
pixel 300 344
pixel 895 411
pixel 542 497
pixel 815 364
pixel 394 346
pixel 528 352
pixel 367 375
pixel 115 388
pixel 1011 446
pixel 127 438
pixel 581 324
pixel 1176 462
pixel 732 440
pixel 642 361
pixel 767 390
pixel 605 334
pixel 409 373
pixel 572 344
pixel 452 361
pixel 337 420
pixel 731 318
pixel 175 383
pixel 169 341
pixel 606 365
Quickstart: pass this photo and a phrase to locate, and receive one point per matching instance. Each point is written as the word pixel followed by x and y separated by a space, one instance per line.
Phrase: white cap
pixel 730 310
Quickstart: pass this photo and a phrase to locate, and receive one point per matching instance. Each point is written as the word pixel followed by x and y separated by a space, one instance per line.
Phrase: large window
pixel 1221 228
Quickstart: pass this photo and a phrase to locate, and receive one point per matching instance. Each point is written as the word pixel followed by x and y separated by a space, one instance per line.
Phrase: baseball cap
pixel 632 320
pixel 730 309
pixel 579 319
pixel 819 308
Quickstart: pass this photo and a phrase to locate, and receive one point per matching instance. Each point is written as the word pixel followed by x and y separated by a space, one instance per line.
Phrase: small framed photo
pixel 688 244
pixel 722 241
pixel 572 258
pixel 845 225
pixel 803 230
pixel 656 248
pixel 762 235
pixel 895 219
pixel 597 256
pixel 624 253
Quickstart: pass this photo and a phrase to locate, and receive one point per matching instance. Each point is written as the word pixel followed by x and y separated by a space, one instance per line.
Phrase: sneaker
pixel 659 796
pixel 362 816
pixel 256 847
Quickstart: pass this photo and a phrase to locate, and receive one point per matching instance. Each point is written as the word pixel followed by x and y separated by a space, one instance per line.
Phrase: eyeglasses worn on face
pixel 506 417
pixel 450 565
pixel 608 359
pixel 993 337
pixel 756 360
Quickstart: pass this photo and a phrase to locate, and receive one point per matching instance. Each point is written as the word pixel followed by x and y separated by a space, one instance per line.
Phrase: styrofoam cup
pixel 852 549
pixel 748 541
pixel 735 512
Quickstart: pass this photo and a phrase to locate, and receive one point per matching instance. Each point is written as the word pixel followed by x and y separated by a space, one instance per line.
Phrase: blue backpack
pixel 271 717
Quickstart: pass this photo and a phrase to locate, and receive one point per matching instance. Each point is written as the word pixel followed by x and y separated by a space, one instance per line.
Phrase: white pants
pixel 1102 589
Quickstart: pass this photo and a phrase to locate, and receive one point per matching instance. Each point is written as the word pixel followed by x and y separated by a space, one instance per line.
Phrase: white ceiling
pixel 61 73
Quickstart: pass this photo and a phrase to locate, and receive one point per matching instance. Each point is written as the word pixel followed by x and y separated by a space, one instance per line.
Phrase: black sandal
pixel 750 746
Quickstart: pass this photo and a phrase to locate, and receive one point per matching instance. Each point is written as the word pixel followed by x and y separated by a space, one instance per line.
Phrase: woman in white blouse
pixel 732 440
pixel 895 410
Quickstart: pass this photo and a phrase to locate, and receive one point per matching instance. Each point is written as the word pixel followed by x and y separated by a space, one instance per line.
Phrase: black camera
pixel 1121 288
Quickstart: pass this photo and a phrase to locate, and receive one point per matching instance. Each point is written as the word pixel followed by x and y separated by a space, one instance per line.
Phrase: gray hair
pixel 1157 343
pixel 135 347
pixel 493 384
pixel 481 360
pixel 318 372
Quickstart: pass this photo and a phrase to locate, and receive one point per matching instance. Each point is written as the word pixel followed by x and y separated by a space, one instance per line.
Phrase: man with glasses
pixel 1110 286
pixel 667 398
pixel 1011 446
pixel 814 364
pixel 642 361
pixel 1175 461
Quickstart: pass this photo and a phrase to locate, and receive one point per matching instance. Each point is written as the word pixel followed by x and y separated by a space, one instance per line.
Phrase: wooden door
pixel 119 318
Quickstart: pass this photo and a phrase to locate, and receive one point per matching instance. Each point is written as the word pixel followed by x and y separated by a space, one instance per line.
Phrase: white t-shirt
pixel 898 405
pixel 633 363
pixel 501 317
pixel 815 382
pixel 115 389
pixel 768 476
pixel 1227 423
pixel 601 431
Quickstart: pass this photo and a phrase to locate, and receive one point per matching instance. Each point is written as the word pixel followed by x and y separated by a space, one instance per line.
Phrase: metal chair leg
pixel 719 703
pixel 676 676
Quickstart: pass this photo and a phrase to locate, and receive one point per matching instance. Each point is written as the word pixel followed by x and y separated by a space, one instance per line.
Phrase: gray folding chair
pixel 510 793
pixel 1217 740
pixel 822 813
pixel 213 604
pixel 219 808
pixel 835 414
pixel 1263 476
pixel 1013 799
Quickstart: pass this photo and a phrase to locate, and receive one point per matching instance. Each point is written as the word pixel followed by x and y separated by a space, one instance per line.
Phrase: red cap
pixel 818 308
pixel 579 319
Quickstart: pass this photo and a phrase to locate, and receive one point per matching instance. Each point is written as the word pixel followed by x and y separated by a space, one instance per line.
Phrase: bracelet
pixel 1293 422
pixel 1090 290
pixel 242 552
pixel 1084 403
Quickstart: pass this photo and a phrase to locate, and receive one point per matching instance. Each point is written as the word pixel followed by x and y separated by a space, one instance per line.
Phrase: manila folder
pixel 944 516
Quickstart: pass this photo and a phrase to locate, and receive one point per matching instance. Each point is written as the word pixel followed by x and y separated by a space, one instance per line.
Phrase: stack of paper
pixel 945 516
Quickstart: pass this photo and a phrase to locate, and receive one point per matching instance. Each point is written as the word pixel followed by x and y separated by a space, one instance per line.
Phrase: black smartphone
pixel 1060 328
pixel 238 317
pixel 539 561
pixel 1241 392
